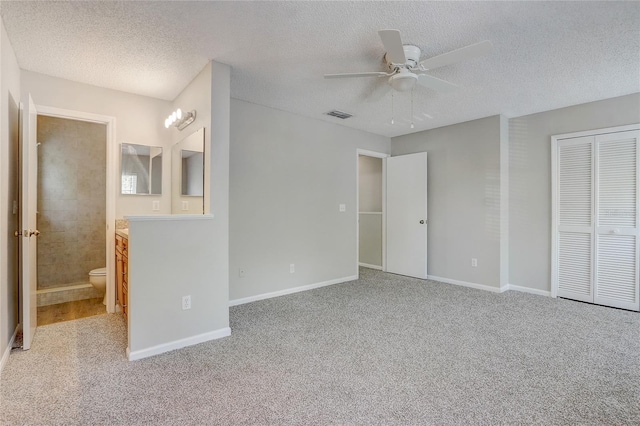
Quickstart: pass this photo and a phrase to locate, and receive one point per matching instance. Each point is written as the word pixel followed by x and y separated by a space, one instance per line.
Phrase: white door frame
pixel 112 162
pixel 383 156
pixel 554 190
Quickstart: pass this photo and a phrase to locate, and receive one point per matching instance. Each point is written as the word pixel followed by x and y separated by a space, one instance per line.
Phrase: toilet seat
pixel 98 272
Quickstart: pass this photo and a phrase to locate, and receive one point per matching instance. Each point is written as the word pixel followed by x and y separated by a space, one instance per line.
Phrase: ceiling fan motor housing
pixel 411 53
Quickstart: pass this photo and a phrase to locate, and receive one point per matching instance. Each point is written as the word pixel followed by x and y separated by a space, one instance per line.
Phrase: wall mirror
pixel 140 169
pixel 187 175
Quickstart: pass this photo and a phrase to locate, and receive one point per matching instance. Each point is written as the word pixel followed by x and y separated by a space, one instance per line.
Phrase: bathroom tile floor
pixel 70 310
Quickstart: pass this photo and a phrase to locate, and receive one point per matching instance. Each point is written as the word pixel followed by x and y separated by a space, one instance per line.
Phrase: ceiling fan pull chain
pixel 392 122
pixel 412 126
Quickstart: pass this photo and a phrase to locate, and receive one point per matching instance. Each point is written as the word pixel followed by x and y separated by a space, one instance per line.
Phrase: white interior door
pixel 28 252
pixel 616 206
pixel 407 215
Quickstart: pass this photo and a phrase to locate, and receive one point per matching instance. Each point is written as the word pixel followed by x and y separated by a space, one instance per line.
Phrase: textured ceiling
pixel 546 54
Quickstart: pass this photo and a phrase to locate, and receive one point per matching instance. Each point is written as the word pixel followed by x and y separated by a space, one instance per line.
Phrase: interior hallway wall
pixel 72 161
pixel 289 174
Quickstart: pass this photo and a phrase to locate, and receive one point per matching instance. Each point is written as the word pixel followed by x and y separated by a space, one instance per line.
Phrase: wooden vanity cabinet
pixel 122 273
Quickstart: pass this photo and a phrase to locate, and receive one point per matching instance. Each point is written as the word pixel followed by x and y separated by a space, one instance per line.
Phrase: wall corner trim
pixel 178 344
pixel 236 302
pixel 467 284
pixel 5 355
pixel 529 290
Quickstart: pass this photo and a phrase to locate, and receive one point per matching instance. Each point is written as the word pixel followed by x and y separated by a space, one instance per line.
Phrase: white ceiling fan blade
pixel 462 54
pixel 393 45
pixel 431 82
pixel 357 74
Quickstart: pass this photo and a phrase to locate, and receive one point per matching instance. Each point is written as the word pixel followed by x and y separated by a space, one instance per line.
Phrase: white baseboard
pixel 529 290
pixel 367 265
pixel 178 344
pixel 263 296
pixel 5 355
pixel 468 284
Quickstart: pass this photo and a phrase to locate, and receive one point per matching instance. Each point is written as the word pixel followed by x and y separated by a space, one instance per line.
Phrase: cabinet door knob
pixel 422 222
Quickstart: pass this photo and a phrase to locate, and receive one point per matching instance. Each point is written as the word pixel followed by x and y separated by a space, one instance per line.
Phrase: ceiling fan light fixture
pixel 403 81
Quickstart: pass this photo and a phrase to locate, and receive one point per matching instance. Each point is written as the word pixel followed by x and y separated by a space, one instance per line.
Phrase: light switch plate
pixel 156 205
pixel 185 205
pixel 343 208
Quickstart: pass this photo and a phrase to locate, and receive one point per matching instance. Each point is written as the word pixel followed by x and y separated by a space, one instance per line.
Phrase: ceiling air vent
pixel 340 114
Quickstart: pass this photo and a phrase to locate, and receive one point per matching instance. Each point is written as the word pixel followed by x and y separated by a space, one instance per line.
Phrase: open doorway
pixel 71 218
pixel 371 209
pixel 74 188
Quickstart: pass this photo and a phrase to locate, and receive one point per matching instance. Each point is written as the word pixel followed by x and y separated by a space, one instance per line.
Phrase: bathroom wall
pixel 139 120
pixel 71 200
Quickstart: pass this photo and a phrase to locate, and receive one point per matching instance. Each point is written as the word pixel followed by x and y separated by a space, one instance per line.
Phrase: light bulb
pixel 166 123
pixel 392 122
pixel 412 126
pixel 174 117
pixel 179 113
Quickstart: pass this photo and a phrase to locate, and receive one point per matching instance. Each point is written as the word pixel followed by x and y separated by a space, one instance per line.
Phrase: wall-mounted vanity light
pixel 180 119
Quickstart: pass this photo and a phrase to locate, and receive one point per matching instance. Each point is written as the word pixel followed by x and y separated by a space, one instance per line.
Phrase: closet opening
pixel 371 200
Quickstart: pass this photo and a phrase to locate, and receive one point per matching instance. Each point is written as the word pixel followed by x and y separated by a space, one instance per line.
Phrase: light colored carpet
pixel 381 350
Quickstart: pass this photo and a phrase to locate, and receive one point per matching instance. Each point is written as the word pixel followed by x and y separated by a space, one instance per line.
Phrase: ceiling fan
pixel 406 69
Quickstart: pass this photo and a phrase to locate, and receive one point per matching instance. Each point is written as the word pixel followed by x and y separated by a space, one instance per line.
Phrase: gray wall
pixel 9 97
pixel 288 176
pixel 463 198
pixel 530 179
pixel 171 257
pixel 370 200
pixel 72 161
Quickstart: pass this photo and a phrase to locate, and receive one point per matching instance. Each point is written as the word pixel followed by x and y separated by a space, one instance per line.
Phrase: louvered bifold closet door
pixel 575 219
pixel 616 246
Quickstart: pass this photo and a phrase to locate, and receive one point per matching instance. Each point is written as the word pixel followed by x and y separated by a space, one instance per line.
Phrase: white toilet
pixel 98 279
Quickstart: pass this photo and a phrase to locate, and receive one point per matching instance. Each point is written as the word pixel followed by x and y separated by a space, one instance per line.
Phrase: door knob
pixel 422 222
pixel 17 233
pixel 36 233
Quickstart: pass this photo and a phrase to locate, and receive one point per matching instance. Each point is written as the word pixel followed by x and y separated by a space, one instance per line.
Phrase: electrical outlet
pixel 292 268
pixel 156 206
pixel 186 302
pixel 474 262
pixel 185 205
pixel 241 272
pixel 343 208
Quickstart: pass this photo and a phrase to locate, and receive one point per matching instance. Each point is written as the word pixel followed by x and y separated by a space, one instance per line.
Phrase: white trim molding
pixel 178 344
pixel 236 302
pixel 468 284
pixel 529 290
pixel 367 265
pixel 5 355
